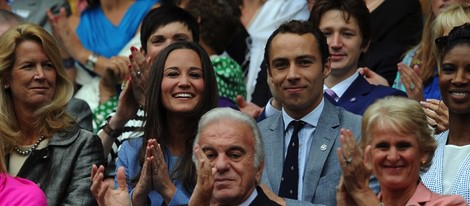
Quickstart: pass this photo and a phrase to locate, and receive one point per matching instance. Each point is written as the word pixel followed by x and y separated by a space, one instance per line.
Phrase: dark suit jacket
pixel 358 96
pixel 361 94
pixel 261 93
pixel 261 199
pixel 322 170
pixel 396 27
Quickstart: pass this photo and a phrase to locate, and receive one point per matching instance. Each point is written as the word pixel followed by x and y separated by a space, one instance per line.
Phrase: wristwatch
pixel 111 132
pixel 91 61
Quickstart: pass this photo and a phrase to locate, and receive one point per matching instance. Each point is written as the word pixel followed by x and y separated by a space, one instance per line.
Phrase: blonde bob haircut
pixel 49 118
pixel 399 115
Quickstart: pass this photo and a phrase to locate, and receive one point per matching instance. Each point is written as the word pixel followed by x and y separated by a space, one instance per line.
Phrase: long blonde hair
pixel 49 118
pixel 424 49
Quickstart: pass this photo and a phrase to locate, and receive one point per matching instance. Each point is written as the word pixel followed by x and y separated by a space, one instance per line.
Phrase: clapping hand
pixel 205 179
pixel 437 113
pixel 105 196
pixel 139 70
pixel 160 178
pixel 411 81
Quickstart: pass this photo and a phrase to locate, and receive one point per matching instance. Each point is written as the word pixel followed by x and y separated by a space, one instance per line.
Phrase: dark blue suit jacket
pixel 361 94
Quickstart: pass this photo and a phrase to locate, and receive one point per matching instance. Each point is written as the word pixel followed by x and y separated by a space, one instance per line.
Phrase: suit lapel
pixel 326 133
pixel 275 153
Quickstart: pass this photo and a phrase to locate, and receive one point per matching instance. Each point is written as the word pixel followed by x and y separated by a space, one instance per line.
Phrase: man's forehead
pixel 226 132
pixel 307 36
pixel 289 43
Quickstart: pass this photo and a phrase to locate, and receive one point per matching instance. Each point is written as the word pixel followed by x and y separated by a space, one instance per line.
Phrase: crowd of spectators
pixel 235 102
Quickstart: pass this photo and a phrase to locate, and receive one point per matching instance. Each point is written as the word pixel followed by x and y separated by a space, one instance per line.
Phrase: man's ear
pixel 268 70
pixel 365 47
pixel 269 80
pixel 326 68
pixel 259 172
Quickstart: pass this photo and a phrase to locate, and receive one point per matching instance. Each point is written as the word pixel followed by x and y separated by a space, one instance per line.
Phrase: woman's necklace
pixel 28 151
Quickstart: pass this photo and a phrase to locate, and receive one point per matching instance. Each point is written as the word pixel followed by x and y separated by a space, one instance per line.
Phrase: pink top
pixel 19 191
pixel 424 196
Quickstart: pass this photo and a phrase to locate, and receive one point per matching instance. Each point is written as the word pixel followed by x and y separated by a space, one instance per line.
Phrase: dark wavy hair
pixel 155 112
pixel 164 15
pixel 349 8
pixel 218 20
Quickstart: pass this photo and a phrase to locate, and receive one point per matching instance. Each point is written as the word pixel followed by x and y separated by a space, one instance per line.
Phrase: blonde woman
pixel 398 146
pixel 42 142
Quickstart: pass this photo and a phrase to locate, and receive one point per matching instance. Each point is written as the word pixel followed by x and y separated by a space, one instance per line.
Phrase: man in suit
pixel 229 156
pixel 346 26
pixel 297 63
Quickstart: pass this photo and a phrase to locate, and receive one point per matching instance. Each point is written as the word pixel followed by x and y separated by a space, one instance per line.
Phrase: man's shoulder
pixel 344 115
pixel 268 121
pixel 347 115
pixel 387 91
pixel 330 111
pixel 346 119
pixel 375 91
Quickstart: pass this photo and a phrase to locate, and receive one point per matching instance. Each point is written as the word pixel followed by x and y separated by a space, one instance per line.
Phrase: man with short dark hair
pixel 346 26
pixel 301 141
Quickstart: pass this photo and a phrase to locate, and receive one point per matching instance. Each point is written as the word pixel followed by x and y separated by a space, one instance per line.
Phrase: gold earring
pixel 423 162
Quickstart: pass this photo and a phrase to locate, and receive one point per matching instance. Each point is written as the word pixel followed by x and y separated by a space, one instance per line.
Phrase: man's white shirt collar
pixel 250 199
pixel 341 87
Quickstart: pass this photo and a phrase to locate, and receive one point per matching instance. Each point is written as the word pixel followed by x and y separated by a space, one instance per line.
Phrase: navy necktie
pixel 290 172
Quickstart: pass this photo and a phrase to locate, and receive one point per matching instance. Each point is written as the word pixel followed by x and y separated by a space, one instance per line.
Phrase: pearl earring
pixel 6 86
